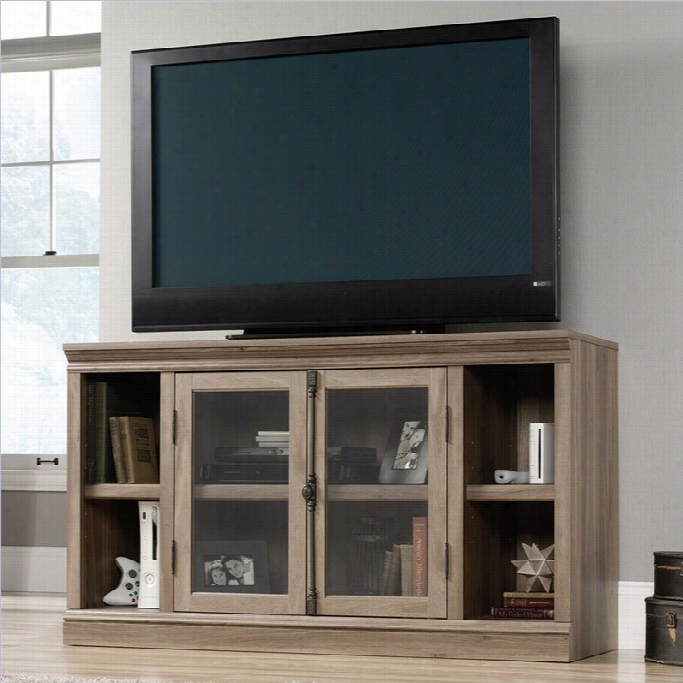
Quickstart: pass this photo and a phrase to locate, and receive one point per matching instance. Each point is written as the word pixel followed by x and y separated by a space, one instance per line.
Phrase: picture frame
pixel 230 566
pixel 406 456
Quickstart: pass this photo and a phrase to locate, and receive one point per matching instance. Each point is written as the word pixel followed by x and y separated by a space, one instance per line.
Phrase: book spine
pixel 384 586
pixel 104 459
pixel 420 556
pixel 125 447
pixel 407 569
pixel 542 603
pixel 90 436
pixel 121 476
pixel 141 452
pixel 522 613
pixel 394 580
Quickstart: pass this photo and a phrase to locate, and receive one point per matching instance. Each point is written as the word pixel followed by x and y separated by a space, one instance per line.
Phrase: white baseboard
pixel 632 596
pixel 43 570
pixel 33 569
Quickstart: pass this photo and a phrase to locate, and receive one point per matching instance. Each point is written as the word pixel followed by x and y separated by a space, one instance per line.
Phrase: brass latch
pixel 671 625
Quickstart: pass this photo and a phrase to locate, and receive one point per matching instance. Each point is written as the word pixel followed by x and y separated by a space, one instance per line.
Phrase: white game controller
pixel 128 590
pixel 511 477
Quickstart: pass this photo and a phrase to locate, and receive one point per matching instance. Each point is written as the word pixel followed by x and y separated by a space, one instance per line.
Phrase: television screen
pixel 355 182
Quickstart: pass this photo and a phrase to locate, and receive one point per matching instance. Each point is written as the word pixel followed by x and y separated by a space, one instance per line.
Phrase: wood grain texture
pixel 594 508
pixel 498 492
pixel 167 489
pixel 545 346
pixel 32 643
pixel 494 384
pixel 76 408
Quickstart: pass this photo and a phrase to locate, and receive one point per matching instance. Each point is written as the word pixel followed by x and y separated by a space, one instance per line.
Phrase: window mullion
pixel 53 199
pixel 48 18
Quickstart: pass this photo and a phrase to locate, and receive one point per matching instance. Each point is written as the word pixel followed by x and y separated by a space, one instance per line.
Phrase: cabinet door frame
pixel 185 600
pixel 434 605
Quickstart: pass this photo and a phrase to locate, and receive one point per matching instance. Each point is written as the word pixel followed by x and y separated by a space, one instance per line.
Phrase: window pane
pixel 42 309
pixel 25 117
pixel 77 192
pixel 77 113
pixel 67 18
pixel 23 19
pixel 25 220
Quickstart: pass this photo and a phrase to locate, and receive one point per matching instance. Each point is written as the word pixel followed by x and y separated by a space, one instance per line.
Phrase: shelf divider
pixel 510 492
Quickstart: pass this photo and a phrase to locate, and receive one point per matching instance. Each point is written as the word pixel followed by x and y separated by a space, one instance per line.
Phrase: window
pixel 49 227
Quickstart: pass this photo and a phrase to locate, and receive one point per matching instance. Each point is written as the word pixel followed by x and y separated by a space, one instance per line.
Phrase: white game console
pixel 541 453
pixel 149 555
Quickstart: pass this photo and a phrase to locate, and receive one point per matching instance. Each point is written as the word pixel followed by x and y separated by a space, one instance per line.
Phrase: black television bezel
pixel 357 307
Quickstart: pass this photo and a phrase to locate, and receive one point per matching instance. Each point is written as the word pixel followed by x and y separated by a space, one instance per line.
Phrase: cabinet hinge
pixel 173 554
pixel 448 426
pixel 174 426
pixel 446 562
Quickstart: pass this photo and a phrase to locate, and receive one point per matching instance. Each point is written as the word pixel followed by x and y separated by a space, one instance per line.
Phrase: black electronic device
pixel 352 472
pixel 352 454
pixel 389 180
pixel 229 454
pixel 245 473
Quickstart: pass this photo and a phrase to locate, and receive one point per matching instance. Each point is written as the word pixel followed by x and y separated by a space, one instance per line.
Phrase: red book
pixel 522 613
pixel 543 600
pixel 420 556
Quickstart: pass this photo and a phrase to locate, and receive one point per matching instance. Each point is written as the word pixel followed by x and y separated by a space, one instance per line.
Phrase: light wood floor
pixel 32 643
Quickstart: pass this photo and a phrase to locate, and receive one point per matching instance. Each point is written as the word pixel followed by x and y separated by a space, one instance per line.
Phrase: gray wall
pixel 33 519
pixel 622 199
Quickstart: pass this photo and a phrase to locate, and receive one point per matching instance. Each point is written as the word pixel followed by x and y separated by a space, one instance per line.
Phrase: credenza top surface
pixel 385 350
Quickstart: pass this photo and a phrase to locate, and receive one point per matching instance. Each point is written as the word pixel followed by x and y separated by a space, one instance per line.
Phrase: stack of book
pixel 520 605
pixel 134 449
pixel 405 567
pixel 265 439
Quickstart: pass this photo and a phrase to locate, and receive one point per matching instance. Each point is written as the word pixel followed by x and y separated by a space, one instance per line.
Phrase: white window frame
pixel 20 472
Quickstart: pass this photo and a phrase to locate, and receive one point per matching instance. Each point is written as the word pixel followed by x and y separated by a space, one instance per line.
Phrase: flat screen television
pixel 395 180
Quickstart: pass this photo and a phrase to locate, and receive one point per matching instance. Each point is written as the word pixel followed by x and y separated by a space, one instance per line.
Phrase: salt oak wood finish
pixel 493 385
pixel 32 635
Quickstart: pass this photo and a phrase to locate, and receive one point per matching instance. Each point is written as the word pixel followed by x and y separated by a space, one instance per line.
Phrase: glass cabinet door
pixel 240 465
pixel 381 453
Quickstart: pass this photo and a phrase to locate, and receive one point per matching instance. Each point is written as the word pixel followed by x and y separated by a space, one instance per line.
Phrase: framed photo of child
pixel 406 455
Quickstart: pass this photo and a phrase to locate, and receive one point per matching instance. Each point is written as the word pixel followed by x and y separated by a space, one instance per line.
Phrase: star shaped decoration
pixel 537 567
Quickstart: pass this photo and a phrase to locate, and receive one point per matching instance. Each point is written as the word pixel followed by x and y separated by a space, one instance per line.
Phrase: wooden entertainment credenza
pixel 317 566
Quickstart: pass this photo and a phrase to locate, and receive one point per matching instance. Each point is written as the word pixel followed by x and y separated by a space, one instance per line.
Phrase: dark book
pixel 394 580
pixel 352 454
pixel 90 435
pixel 522 613
pixel 384 586
pixel 537 599
pixel 107 401
pixel 407 569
